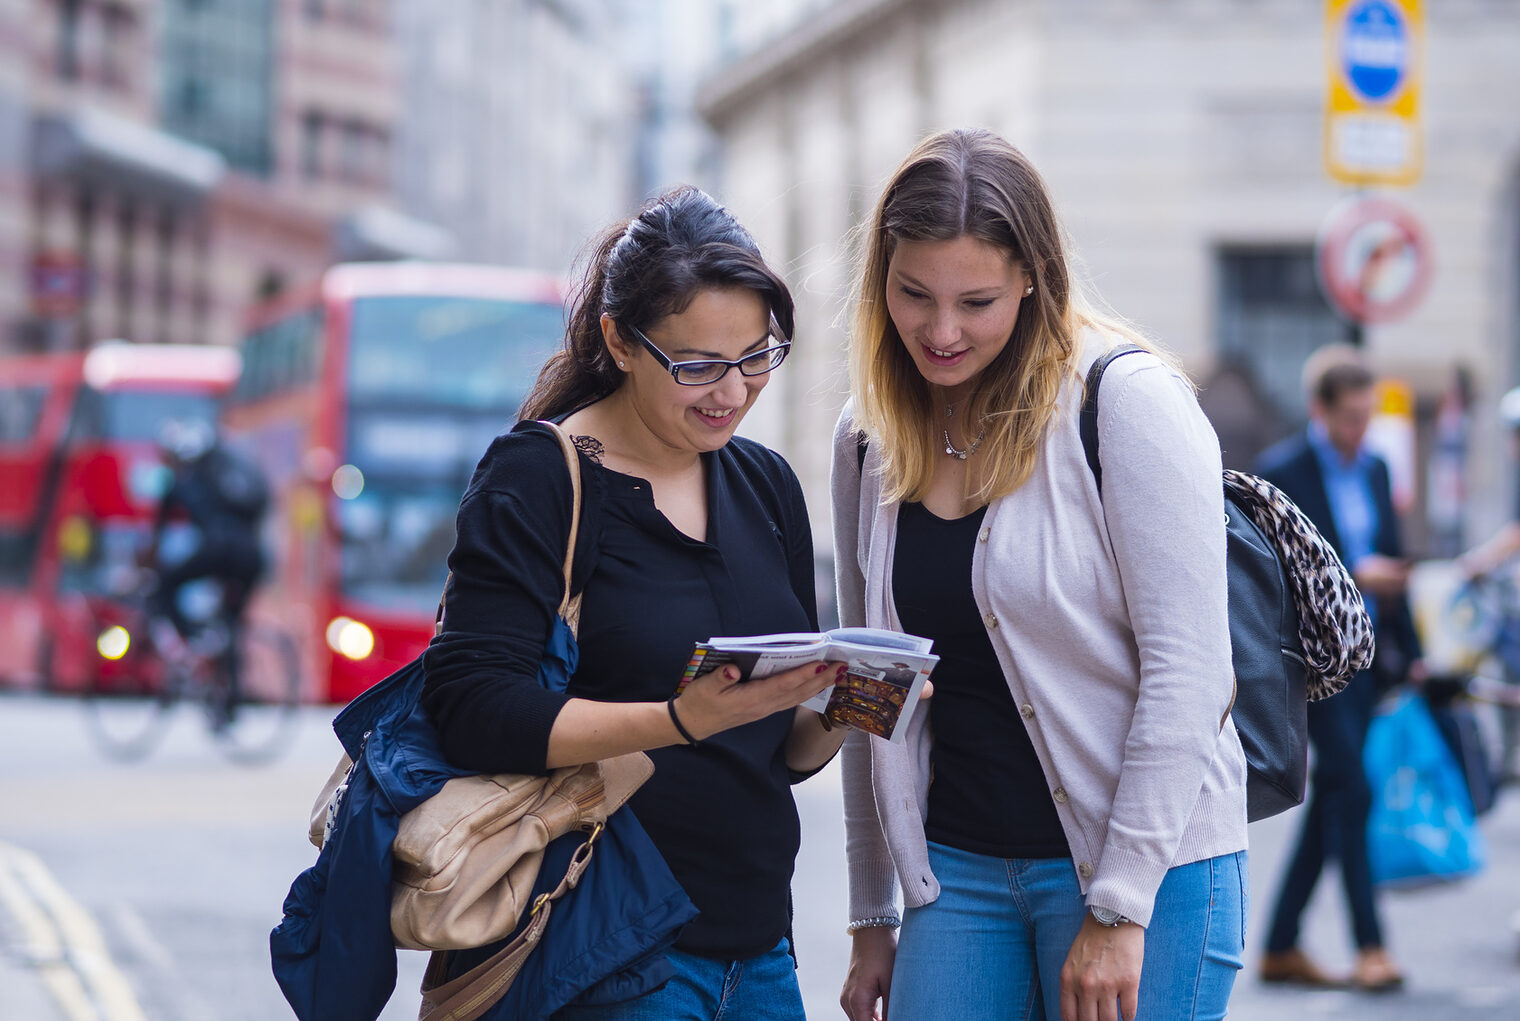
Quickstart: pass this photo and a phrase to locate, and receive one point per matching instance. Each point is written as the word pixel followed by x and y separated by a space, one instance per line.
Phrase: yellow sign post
pixel 1374 52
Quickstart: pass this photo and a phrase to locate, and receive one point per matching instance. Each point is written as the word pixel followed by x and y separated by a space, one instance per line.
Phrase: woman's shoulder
pixel 517 460
pixel 1138 383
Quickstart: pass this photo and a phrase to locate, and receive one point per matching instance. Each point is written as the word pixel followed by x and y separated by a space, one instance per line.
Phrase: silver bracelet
pixel 875 922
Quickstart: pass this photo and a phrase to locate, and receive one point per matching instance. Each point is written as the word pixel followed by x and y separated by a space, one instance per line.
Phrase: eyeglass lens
pixel 706 372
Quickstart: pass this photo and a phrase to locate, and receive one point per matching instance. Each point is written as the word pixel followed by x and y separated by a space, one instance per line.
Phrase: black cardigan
pixel 722 815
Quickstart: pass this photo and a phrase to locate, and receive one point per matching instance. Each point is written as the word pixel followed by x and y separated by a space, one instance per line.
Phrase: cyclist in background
pixel 223 496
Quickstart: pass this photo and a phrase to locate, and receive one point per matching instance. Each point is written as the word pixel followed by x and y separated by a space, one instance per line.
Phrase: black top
pixel 987 792
pixel 722 814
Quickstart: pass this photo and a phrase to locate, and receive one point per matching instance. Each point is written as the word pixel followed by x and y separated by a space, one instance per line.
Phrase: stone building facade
pixel 517 124
pixel 1182 141
pixel 167 162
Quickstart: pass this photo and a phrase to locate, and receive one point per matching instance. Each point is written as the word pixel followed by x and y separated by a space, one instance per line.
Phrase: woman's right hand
pixel 718 700
pixel 872 952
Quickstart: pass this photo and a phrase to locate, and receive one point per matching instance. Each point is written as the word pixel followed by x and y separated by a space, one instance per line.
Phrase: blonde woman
pixel 1067 824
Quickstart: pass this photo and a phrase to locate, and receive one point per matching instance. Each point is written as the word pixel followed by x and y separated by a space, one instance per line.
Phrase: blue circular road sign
pixel 1375 49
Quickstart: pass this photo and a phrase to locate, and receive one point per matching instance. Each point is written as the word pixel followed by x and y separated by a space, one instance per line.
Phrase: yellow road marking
pixel 74 963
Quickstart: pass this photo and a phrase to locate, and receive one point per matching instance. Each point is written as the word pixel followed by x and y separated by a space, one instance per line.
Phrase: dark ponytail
pixel 640 272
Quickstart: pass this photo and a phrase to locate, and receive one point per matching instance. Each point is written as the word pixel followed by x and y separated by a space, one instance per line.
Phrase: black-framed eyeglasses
pixel 710 370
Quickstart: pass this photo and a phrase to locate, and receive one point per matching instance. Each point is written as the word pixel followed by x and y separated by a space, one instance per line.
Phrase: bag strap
pixel 470 995
pixel 1088 424
pixel 569 605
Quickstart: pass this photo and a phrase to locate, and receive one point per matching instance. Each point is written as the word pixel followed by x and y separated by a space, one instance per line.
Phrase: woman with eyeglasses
pixel 687 532
pixel 1067 824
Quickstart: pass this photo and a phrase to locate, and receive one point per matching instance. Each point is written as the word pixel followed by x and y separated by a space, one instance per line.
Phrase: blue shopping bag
pixel 1421 829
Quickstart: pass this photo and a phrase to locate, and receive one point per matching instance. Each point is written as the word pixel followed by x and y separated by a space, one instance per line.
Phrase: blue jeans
pixel 993 944
pixel 762 988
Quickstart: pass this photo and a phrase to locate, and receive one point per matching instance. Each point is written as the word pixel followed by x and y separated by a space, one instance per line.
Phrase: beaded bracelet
pixel 670 704
pixel 874 922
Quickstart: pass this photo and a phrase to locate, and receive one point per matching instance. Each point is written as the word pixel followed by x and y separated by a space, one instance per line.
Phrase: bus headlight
pixel 348 637
pixel 113 642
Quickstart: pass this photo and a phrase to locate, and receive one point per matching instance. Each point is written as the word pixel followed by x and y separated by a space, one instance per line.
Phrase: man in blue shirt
pixel 1344 489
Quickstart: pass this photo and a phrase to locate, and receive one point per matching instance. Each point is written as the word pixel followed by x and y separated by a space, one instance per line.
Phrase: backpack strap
pixel 1088 423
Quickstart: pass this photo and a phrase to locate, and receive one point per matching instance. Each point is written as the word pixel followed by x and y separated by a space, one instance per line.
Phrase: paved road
pixel 146 892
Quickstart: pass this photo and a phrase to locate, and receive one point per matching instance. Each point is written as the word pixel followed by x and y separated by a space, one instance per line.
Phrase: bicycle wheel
pixel 258 724
pixel 129 696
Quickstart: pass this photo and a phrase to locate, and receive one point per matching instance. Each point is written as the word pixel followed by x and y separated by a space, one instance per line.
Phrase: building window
pixel 68 39
pixel 231 44
pixel 163 278
pixel 190 99
pixel 313 128
pixel 353 161
pixel 126 270
pixel 1272 316
pixel 380 159
pixel 118 31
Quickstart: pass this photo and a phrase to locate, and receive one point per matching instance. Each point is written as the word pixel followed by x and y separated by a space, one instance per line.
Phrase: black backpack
pixel 238 483
pixel 1277 563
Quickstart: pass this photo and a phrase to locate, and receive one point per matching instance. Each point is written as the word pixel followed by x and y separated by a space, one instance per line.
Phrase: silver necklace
pixel 950 447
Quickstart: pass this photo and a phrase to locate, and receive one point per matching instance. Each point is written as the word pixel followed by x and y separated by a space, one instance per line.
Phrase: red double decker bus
pixel 368 397
pixel 81 474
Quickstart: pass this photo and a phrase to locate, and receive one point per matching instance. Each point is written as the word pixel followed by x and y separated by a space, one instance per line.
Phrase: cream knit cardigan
pixel 1109 621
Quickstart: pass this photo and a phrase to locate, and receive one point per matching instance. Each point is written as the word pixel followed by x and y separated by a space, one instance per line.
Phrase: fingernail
pixel 842 669
pixel 730 673
pixel 820 668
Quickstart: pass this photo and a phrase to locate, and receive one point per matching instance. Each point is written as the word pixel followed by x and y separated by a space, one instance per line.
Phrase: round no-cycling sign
pixel 1373 260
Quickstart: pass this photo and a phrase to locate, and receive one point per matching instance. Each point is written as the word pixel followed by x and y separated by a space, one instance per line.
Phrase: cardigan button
pixel 1060 795
pixel 1085 870
pixel 1027 711
pixel 991 620
pixel 984 535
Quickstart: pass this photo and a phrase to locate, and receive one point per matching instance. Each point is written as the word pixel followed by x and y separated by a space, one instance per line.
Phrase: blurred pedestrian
pixel 1344 489
pixel 690 532
pixel 1070 841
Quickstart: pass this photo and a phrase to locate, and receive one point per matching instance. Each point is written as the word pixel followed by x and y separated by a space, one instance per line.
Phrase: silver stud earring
pixel 622 365
pixel 1029 290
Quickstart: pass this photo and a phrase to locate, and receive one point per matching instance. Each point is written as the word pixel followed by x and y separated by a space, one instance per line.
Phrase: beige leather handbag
pixel 465 860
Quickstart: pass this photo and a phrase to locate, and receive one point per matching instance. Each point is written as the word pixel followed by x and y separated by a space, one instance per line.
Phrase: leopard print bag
pixel 1332 621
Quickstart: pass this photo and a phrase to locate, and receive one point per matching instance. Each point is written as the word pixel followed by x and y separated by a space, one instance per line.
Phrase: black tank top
pixel 987 792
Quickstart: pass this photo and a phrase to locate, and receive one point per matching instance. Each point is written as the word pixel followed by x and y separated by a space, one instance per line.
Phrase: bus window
pixel 20 412
pixel 283 354
pixel 462 353
pixel 136 416
pixel 396 543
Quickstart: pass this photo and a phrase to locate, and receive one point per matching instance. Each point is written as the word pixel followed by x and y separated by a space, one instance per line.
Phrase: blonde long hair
pixel 969 183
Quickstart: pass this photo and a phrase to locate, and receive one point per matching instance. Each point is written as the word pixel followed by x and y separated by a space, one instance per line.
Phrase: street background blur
pixel 184 175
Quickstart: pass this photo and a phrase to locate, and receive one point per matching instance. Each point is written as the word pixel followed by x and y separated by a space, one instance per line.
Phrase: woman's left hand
pixel 1101 978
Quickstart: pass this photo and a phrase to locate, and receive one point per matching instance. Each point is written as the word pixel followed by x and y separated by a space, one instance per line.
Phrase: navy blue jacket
pixel 1293 467
pixel 332 953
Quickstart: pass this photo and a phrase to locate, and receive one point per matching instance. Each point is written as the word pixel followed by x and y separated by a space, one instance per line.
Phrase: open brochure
pixel 878 693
